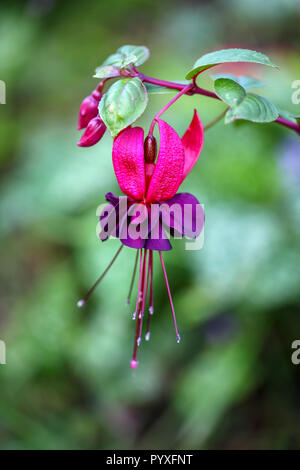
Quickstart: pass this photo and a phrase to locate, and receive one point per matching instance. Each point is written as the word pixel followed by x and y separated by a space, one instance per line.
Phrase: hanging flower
pixel 151 210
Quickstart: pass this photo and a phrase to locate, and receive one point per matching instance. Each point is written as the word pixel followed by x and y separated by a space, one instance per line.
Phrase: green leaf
pixel 120 60
pixel 157 89
pixel 127 55
pixel 246 82
pixel 123 103
pixel 114 59
pixel 228 55
pixel 141 53
pixel 287 115
pixel 107 71
pixel 229 91
pixel 253 108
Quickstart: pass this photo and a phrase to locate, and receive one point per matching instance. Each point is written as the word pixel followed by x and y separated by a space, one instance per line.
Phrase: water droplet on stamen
pixel 178 338
pixel 133 364
pixel 138 341
pixel 151 310
pixel 134 316
pixel 140 316
pixel 80 303
pixel 147 336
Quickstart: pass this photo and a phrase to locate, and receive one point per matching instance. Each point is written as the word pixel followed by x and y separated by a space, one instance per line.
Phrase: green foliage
pixel 226 56
pixel 122 104
pixel 127 55
pixel 229 91
pixel 141 53
pixel 253 108
pixel 288 115
pixel 107 71
pixel 246 82
pixel 248 106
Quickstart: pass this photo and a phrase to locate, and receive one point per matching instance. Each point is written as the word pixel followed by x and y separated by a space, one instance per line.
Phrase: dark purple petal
pixel 133 234
pixel 184 214
pixel 114 200
pixel 162 244
pixel 111 215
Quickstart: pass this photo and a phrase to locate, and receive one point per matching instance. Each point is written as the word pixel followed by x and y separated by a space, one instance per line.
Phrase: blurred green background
pixel 67 383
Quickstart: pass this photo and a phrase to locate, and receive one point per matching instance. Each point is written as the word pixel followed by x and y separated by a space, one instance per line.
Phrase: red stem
pixel 195 90
pixel 167 106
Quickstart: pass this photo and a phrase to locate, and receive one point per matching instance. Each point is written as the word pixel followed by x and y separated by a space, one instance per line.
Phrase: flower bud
pixel 88 109
pixel 93 133
pixel 150 149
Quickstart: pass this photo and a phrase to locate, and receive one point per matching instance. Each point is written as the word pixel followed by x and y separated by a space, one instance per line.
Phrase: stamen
pixel 81 302
pixel 132 279
pixel 145 291
pixel 137 339
pixel 170 297
pixel 151 308
pixel 139 288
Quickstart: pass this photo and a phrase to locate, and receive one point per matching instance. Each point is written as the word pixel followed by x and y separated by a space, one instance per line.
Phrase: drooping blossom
pixel 151 209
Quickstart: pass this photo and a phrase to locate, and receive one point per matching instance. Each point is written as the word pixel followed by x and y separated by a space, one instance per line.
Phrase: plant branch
pixel 195 90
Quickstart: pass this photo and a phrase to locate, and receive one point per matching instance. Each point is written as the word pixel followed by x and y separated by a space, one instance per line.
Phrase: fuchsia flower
pixel 147 184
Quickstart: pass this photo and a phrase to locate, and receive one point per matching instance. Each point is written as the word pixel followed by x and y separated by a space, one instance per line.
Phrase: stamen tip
pixel 133 364
pixel 134 316
pixel 178 338
pixel 80 303
pixel 147 336
pixel 138 341
pixel 151 310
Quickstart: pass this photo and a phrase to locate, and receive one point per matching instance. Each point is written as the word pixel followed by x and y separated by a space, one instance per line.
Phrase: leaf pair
pixel 243 105
pixel 124 57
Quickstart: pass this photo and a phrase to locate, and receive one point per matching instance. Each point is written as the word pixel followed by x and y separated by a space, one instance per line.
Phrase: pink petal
pixel 168 172
pixel 192 142
pixel 128 161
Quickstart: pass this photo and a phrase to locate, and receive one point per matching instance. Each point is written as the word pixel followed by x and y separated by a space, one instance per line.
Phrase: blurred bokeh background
pixel 67 383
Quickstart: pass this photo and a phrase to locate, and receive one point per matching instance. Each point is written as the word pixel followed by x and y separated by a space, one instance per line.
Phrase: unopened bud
pixel 88 109
pixel 93 133
pixel 150 147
